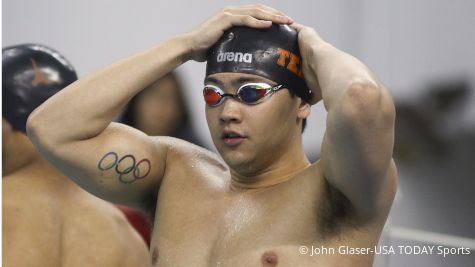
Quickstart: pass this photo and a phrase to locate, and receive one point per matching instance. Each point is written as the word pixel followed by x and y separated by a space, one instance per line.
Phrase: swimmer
pixel 47 219
pixel 261 199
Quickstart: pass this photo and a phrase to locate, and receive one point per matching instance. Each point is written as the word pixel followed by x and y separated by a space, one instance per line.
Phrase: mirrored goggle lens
pixel 211 96
pixel 252 93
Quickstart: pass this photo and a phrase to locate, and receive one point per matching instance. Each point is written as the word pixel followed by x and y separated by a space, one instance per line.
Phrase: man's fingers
pixel 268 9
pixel 260 13
pixel 265 15
pixel 250 21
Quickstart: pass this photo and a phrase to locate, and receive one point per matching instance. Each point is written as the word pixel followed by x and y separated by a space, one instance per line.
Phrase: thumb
pixel 298 27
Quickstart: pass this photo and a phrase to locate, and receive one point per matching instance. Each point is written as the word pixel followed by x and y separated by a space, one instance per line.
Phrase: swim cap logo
pixel 234 56
pixel 294 64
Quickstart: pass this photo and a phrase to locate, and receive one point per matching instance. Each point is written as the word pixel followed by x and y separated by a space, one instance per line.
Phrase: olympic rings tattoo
pixel 111 160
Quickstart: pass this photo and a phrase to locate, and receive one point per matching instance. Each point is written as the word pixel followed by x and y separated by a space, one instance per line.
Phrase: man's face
pixel 157 110
pixel 251 137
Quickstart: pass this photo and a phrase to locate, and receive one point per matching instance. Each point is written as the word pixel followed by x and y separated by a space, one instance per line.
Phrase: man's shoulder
pixel 84 204
pixel 94 224
pixel 102 215
pixel 30 181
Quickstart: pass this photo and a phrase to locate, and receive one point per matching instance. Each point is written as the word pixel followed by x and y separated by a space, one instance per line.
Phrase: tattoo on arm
pixel 126 167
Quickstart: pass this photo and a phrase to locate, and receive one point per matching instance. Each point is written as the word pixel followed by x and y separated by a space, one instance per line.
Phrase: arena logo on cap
pixel 235 56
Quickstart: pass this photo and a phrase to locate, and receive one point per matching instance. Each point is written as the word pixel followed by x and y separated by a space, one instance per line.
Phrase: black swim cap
pixel 31 74
pixel 272 53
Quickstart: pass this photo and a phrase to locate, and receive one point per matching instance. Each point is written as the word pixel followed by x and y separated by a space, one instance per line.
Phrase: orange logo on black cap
pixel 39 76
pixel 294 63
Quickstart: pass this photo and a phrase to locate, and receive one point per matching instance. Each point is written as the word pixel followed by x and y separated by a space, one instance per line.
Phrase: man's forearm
pixel 337 72
pixel 85 108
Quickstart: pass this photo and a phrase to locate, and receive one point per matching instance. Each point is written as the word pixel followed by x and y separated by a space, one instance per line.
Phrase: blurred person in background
pixel 161 110
pixel 47 219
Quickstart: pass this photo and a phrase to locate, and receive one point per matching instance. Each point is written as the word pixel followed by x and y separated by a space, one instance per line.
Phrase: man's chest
pixel 211 224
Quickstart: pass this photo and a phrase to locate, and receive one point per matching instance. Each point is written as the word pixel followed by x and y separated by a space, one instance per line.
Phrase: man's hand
pixel 209 32
pixel 308 39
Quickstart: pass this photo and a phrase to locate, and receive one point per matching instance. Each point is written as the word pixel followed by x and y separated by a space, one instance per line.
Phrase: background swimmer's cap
pixel 272 53
pixel 31 74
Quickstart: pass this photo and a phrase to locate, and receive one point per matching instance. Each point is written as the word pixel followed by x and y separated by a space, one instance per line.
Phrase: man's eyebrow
pixel 243 80
pixel 213 80
pixel 235 83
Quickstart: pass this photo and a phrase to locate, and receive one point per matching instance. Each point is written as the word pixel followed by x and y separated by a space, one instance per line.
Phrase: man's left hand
pixel 308 39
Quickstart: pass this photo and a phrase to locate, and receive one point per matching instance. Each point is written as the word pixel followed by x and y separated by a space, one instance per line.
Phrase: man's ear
pixel 303 110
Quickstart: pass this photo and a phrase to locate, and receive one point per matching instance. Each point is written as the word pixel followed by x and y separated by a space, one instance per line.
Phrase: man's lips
pixel 232 138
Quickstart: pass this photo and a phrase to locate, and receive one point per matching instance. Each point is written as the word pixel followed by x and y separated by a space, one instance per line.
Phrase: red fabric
pixel 139 221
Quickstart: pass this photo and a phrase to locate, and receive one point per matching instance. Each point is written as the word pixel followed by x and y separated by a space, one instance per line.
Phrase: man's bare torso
pixel 49 221
pixel 201 220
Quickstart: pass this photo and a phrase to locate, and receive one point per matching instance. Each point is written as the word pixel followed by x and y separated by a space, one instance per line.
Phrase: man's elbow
pixel 37 130
pixel 369 103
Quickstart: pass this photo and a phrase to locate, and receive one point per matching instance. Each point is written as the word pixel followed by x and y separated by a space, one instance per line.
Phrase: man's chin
pixel 237 160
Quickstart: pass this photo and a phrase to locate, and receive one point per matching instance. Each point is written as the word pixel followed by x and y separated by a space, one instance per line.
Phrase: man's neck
pixel 19 154
pixel 276 173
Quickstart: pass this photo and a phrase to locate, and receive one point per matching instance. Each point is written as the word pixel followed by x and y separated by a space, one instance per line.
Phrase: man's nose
pixel 231 110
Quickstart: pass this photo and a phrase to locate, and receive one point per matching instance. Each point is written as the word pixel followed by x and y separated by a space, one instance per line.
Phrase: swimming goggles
pixel 249 93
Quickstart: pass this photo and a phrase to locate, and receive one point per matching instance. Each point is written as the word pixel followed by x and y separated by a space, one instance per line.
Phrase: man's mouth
pixel 232 138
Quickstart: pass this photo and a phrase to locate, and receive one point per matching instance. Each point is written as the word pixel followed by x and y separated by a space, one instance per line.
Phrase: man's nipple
pixel 269 259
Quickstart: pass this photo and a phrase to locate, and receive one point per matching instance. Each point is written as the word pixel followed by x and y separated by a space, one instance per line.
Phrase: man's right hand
pixel 209 32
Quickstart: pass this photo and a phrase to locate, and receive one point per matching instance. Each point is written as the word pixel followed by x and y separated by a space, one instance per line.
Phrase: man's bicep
pixel 121 165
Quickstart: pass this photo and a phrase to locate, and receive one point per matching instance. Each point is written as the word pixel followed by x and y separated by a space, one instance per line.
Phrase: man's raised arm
pixel 73 128
pixel 356 156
